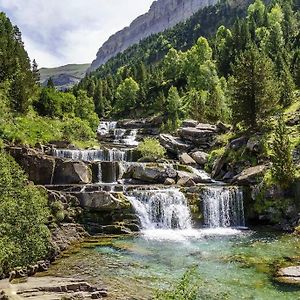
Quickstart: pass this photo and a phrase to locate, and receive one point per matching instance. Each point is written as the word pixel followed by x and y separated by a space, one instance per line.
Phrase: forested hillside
pixel 212 74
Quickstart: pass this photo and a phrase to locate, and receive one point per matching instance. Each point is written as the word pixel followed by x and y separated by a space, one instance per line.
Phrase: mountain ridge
pixel 163 14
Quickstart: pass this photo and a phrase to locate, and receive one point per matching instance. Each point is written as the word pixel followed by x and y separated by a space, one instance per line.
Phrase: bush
pixel 24 237
pixel 52 103
pixel 186 289
pixel 151 149
pixel 77 129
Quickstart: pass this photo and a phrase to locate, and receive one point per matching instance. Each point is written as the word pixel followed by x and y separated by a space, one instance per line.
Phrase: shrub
pixel 151 149
pixel 77 129
pixel 24 237
pixel 283 169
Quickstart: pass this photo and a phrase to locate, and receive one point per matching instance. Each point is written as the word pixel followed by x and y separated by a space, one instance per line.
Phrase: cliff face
pixel 163 14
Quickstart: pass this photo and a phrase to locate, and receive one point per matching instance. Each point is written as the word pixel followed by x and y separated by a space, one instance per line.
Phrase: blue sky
pixel 58 32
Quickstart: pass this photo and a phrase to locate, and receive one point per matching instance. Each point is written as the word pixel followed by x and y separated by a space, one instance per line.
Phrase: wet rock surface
pixel 50 288
pixel 289 275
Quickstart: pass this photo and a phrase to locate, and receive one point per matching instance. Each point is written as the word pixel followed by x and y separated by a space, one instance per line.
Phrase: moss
pixel 213 156
pixel 183 168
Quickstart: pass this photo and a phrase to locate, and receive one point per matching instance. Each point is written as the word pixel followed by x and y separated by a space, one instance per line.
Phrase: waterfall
pixel 94 155
pixel 104 128
pixel 110 132
pixel 223 207
pixel 161 209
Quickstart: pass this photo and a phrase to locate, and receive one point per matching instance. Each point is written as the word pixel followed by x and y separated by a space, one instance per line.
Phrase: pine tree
pixel 173 108
pixel 50 83
pixel 287 86
pixel 283 170
pixel 35 72
pixel 255 91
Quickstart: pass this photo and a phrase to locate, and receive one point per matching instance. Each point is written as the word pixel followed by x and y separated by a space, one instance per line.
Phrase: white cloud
pixel 58 32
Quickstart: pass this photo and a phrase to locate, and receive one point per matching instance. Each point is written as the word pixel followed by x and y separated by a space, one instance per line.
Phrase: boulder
pixel 200 157
pixel 72 172
pixel 203 135
pixel 38 167
pixel 186 159
pixel 150 173
pixel 169 181
pixel 102 201
pixel 173 144
pixel 223 128
pixel 196 175
pixel 250 176
pixel 289 275
pixel 254 144
pixel 190 123
pixel 218 166
pixel 186 182
pixel 238 143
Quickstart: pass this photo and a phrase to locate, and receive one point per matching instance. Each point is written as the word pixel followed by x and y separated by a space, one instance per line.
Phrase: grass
pixel 32 129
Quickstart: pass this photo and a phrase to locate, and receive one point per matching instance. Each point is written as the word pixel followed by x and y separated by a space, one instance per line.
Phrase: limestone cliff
pixel 163 14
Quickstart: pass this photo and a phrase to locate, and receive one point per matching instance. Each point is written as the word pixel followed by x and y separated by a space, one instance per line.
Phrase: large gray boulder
pixel 72 172
pixel 203 135
pixel 186 159
pixel 200 157
pixel 173 144
pixel 150 173
pixel 38 167
pixel 198 176
pixel 250 176
pixel 102 201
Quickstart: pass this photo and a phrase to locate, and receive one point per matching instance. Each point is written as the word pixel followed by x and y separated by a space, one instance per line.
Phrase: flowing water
pixel 161 209
pixel 223 207
pixel 94 155
pixel 232 265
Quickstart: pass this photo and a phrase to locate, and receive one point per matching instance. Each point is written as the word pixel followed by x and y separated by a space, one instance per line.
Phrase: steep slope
pixel 64 77
pixel 163 14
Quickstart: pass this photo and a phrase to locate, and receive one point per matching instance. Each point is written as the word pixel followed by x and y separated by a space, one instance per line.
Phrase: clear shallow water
pixel 231 264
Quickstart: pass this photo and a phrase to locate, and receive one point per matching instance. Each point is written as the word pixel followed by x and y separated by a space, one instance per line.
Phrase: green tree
pixel 85 109
pixel 24 237
pixel 126 95
pixel 283 169
pixel 255 91
pixel 174 109
pixel 196 104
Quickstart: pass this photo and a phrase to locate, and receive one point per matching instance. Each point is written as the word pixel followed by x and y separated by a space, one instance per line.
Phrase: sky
pixel 60 32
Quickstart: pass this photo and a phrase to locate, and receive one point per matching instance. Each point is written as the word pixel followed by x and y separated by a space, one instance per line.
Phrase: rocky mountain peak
pixel 162 14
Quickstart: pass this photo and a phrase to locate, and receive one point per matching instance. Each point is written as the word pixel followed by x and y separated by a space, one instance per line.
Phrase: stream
pixel 232 262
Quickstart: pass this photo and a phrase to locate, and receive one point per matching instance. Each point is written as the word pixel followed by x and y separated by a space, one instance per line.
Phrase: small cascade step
pixel 95 155
pixel 109 132
pixel 161 209
pixel 223 207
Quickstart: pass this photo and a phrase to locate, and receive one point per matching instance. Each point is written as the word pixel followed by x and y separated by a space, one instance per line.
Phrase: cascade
pixel 105 127
pixel 223 207
pixel 94 155
pixel 110 132
pixel 161 209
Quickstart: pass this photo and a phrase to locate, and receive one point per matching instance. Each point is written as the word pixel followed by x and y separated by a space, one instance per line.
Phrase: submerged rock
pixel 289 275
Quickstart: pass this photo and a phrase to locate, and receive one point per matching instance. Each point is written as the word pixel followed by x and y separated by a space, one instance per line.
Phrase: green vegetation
pixel 24 237
pixel 283 169
pixel 242 71
pixel 151 149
